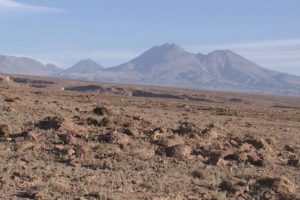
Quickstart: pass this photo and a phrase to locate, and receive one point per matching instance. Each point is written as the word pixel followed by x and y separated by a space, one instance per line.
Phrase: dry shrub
pixel 101 110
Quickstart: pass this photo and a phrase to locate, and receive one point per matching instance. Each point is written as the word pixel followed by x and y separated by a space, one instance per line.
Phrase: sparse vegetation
pixel 60 144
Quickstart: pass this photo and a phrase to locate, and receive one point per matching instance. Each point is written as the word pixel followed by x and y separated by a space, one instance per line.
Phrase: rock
pixel 289 148
pixel 114 138
pixel 280 185
pixel 210 133
pixel 131 131
pixel 229 185
pixel 259 144
pixel 68 138
pixel 70 152
pixel 108 164
pixel 25 147
pixel 101 110
pixel 216 158
pixel 254 159
pixel 106 122
pixel 166 142
pixel 32 136
pixel 80 150
pixel 69 125
pixel 234 143
pixel 9 100
pixel 50 123
pixel 245 147
pixel 5 130
pixel 294 161
pixel 179 151
pixel 5 79
pixel 186 128
pixel 91 121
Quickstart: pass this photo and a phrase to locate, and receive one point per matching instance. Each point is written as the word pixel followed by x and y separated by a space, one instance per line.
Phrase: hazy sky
pixel 114 31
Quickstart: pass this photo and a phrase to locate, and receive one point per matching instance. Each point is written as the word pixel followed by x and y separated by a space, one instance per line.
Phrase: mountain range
pixel 170 65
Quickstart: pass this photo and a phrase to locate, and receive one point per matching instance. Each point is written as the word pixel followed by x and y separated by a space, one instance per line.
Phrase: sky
pixel 115 31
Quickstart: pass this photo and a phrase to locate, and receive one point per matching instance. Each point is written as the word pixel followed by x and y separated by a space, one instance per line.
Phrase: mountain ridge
pixel 171 65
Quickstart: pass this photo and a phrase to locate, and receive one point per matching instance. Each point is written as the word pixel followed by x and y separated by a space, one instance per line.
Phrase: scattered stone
pixel 100 110
pixel 70 152
pixel 91 121
pixel 166 142
pixel 80 150
pixel 186 128
pixel 294 161
pixel 208 132
pixel 132 131
pixel 256 160
pixel 50 123
pixel 5 130
pixel 259 144
pixel 289 148
pixel 68 138
pixel 246 147
pixel 9 100
pixel 178 151
pixel 233 185
pixel 107 122
pixel 114 138
pixel 229 186
pixel 69 125
pixel 280 185
pixel 32 136
pixel 216 158
pixel 25 147
pixel 108 164
pixel 199 174
pixel 231 157
pixel 234 143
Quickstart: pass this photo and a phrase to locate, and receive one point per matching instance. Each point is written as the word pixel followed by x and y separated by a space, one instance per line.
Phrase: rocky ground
pixel 57 144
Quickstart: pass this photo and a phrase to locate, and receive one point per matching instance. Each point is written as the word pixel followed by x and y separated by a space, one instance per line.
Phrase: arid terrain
pixel 64 139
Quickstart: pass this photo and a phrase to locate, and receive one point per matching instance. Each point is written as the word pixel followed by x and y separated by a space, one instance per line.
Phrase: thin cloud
pixel 11 6
pixel 256 45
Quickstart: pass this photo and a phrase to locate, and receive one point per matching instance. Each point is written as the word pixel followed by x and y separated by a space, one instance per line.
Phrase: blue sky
pixel 114 31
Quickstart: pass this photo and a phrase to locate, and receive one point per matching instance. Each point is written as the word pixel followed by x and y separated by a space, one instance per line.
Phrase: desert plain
pixel 64 139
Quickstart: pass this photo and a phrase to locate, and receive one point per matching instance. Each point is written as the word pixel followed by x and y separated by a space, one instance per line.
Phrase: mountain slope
pixel 84 66
pixel 164 64
pixel 54 68
pixel 24 66
pixel 170 65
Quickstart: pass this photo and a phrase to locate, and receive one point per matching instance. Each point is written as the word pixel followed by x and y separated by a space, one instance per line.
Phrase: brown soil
pixel 58 144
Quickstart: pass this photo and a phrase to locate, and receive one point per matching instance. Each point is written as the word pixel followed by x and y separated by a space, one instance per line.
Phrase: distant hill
pixel 171 65
pixel 24 66
pixel 55 69
pixel 84 67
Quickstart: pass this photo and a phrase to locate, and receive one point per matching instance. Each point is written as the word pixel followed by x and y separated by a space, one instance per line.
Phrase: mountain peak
pixel 87 61
pixel 85 66
pixel 50 65
pixel 53 68
pixel 165 51
pixel 168 47
pixel 222 52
